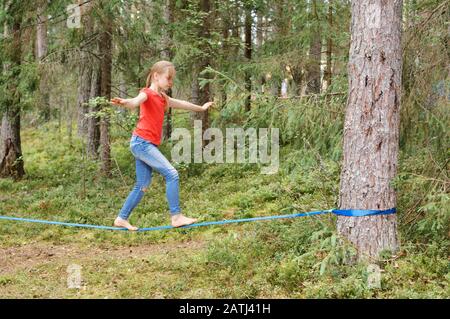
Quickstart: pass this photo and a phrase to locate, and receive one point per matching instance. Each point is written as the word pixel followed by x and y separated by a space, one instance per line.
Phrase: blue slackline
pixel 342 212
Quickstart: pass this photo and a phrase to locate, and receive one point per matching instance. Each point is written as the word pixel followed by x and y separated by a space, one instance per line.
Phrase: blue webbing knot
pixel 363 212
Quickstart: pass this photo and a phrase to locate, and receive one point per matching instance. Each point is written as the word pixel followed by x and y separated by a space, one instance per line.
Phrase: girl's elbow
pixel 135 104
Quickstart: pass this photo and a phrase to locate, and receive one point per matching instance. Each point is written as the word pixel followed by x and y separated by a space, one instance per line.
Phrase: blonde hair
pixel 159 67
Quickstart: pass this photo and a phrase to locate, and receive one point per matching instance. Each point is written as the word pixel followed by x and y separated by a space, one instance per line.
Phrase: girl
pixel 146 138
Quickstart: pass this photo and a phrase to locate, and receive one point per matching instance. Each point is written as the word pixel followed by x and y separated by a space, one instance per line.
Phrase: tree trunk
pixel 84 76
pixel 226 26
pixel 84 89
pixel 371 131
pixel 41 52
pixel 259 42
pixel 248 54
pixel 315 49
pixel 281 18
pixel 297 76
pixel 11 162
pixel 259 29
pixel 282 22
pixel 93 123
pixel 123 91
pixel 167 54
pixel 327 73
pixel 235 31
pixel 105 46
pixel 202 95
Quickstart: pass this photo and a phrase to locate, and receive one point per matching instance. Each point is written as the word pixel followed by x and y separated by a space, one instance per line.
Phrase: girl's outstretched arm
pixel 185 105
pixel 130 103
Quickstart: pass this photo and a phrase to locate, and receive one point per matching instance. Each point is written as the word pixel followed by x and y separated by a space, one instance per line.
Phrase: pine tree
pixel 371 131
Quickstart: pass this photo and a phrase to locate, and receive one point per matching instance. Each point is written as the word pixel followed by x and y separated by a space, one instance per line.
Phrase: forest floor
pixel 295 258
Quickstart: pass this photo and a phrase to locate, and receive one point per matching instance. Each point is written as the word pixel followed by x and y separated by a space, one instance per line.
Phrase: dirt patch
pixel 13 259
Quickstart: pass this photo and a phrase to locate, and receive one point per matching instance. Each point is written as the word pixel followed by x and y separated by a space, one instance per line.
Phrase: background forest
pixel 280 64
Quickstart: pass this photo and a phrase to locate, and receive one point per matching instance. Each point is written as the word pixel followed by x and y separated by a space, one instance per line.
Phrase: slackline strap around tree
pixel 341 212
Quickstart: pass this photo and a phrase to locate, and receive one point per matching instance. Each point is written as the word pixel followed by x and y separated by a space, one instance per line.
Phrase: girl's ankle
pixel 175 215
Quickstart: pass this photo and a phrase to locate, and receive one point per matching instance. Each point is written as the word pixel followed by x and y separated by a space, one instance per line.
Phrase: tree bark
pixel 282 22
pixel 11 161
pixel 297 75
pixel 201 95
pixel 93 123
pixel 226 11
pixel 84 74
pixel 105 46
pixel 235 31
pixel 259 43
pixel 167 54
pixel 328 73
pixel 371 131
pixel 248 54
pixel 315 50
pixel 41 52
pixel 259 28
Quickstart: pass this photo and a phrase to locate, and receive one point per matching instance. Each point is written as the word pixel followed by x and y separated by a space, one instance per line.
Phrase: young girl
pixel 146 138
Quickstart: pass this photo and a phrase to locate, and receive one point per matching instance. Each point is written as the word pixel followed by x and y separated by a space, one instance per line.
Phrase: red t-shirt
pixel 151 117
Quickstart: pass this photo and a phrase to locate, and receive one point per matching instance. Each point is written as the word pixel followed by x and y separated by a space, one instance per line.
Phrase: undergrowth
pixel 295 258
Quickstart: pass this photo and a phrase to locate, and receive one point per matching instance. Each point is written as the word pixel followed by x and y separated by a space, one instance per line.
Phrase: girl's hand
pixel 207 105
pixel 118 101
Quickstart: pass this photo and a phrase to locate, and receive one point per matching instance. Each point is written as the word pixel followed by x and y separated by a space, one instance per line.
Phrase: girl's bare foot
pixel 180 220
pixel 119 222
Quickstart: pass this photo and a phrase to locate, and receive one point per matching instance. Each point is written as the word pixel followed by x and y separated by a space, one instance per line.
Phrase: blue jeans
pixel 149 158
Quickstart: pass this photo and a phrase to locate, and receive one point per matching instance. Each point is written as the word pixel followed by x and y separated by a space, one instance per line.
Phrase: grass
pixel 295 258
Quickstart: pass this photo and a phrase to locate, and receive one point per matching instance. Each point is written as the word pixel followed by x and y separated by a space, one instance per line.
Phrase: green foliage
pixel 18 84
pixel 123 119
pixel 425 116
pixel 423 204
pixel 437 221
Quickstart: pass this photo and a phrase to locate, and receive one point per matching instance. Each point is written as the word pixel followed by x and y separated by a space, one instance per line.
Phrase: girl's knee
pixel 141 187
pixel 144 187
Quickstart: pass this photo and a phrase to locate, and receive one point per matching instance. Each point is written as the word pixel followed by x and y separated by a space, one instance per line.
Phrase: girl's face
pixel 165 80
